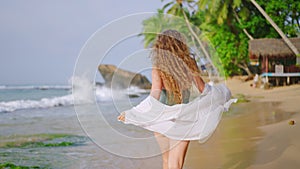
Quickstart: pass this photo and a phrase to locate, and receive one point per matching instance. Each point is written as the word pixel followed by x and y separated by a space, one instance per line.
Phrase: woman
pixel 179 116
pixel 173 74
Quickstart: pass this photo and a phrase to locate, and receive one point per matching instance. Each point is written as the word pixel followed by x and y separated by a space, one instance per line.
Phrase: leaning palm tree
pixel 221 10
pixel 215 11
pixel 225 12
pixel 283 36
pixel 177 9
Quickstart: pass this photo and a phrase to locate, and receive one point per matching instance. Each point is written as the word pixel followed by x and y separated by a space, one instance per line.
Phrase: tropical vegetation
pixel 228 25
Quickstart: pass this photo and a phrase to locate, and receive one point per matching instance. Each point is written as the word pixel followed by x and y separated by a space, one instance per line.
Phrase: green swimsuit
pixel 163 97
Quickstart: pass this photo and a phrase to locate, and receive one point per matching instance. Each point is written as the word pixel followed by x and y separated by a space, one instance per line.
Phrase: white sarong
pixel 196 120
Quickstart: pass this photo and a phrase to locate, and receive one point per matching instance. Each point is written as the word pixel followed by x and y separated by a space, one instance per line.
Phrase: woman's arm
pixel 155 89
pixel 199 83
pixel 156 84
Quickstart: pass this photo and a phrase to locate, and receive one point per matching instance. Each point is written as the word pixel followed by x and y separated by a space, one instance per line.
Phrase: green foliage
pixel 284 13
pixel 160 22
pixel 224 23
pixel 232 48
pixel 153 26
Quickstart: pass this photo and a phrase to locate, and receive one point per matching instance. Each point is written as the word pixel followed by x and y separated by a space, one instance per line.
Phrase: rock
pixel 118 78
pixel 292 122
pixel 99 84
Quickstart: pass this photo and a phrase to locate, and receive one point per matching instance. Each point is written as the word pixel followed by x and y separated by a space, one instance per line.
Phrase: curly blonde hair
pixel 171 56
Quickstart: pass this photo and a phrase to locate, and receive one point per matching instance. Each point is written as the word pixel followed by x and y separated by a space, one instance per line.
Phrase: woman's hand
pixel 122 117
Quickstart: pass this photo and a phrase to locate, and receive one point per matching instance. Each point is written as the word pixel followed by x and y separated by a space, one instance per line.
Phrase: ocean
pixel 40 127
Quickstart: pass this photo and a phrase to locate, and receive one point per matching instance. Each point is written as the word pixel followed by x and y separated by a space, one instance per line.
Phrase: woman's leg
pixel 177 153
pixel 163 143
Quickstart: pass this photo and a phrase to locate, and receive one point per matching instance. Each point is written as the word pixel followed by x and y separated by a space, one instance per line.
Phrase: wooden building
pixel 275 58
pixel 270 52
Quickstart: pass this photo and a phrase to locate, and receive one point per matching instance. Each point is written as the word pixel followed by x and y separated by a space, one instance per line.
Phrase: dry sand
pixel 253 135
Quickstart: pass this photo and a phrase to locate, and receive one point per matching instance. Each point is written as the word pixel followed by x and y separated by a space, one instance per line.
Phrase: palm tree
pixel 160 22
pixel 283 36
pixel 225 11
pixel 151 27
pixel 221 10
pixel 177 10
pixel 194 35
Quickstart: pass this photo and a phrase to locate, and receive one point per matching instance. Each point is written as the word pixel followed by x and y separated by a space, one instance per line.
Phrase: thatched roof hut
pixel 271 52
pixel 271 48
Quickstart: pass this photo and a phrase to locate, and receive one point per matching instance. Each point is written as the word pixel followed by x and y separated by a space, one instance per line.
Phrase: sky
pixel 41 40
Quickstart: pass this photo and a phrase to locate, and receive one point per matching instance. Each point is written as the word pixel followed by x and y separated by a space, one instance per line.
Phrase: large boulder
pixel 118 78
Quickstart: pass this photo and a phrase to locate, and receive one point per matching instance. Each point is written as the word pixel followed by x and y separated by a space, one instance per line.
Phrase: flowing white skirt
pixel 196 120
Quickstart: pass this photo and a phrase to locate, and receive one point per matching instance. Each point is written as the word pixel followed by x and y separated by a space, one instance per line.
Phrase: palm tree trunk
pixel 198 40
pixel 285 39
pixel 244 30
pixel 245 67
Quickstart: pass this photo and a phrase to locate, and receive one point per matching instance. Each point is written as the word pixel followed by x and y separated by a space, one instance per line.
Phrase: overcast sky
pixel 41 39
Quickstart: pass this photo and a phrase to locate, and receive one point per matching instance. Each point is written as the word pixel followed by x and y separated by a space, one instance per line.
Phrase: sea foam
pixel 43 103
pixel 100 94
pixel 38 87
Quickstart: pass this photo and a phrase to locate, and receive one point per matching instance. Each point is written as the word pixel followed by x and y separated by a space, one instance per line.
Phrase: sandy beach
pixel 256 134
pixel 253 134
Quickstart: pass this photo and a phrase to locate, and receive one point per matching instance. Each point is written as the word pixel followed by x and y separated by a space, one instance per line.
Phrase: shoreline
pixel 257 134
pixel 252 135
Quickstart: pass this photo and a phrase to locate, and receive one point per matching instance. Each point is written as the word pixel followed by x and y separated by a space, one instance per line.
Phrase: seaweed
pixel 241 98
pixel 13 166
pixel 41 140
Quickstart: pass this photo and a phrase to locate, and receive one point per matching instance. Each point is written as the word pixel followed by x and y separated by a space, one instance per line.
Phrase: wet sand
pixel 254 134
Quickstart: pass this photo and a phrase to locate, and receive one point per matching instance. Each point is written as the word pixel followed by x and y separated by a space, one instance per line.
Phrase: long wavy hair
pixel 171 56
